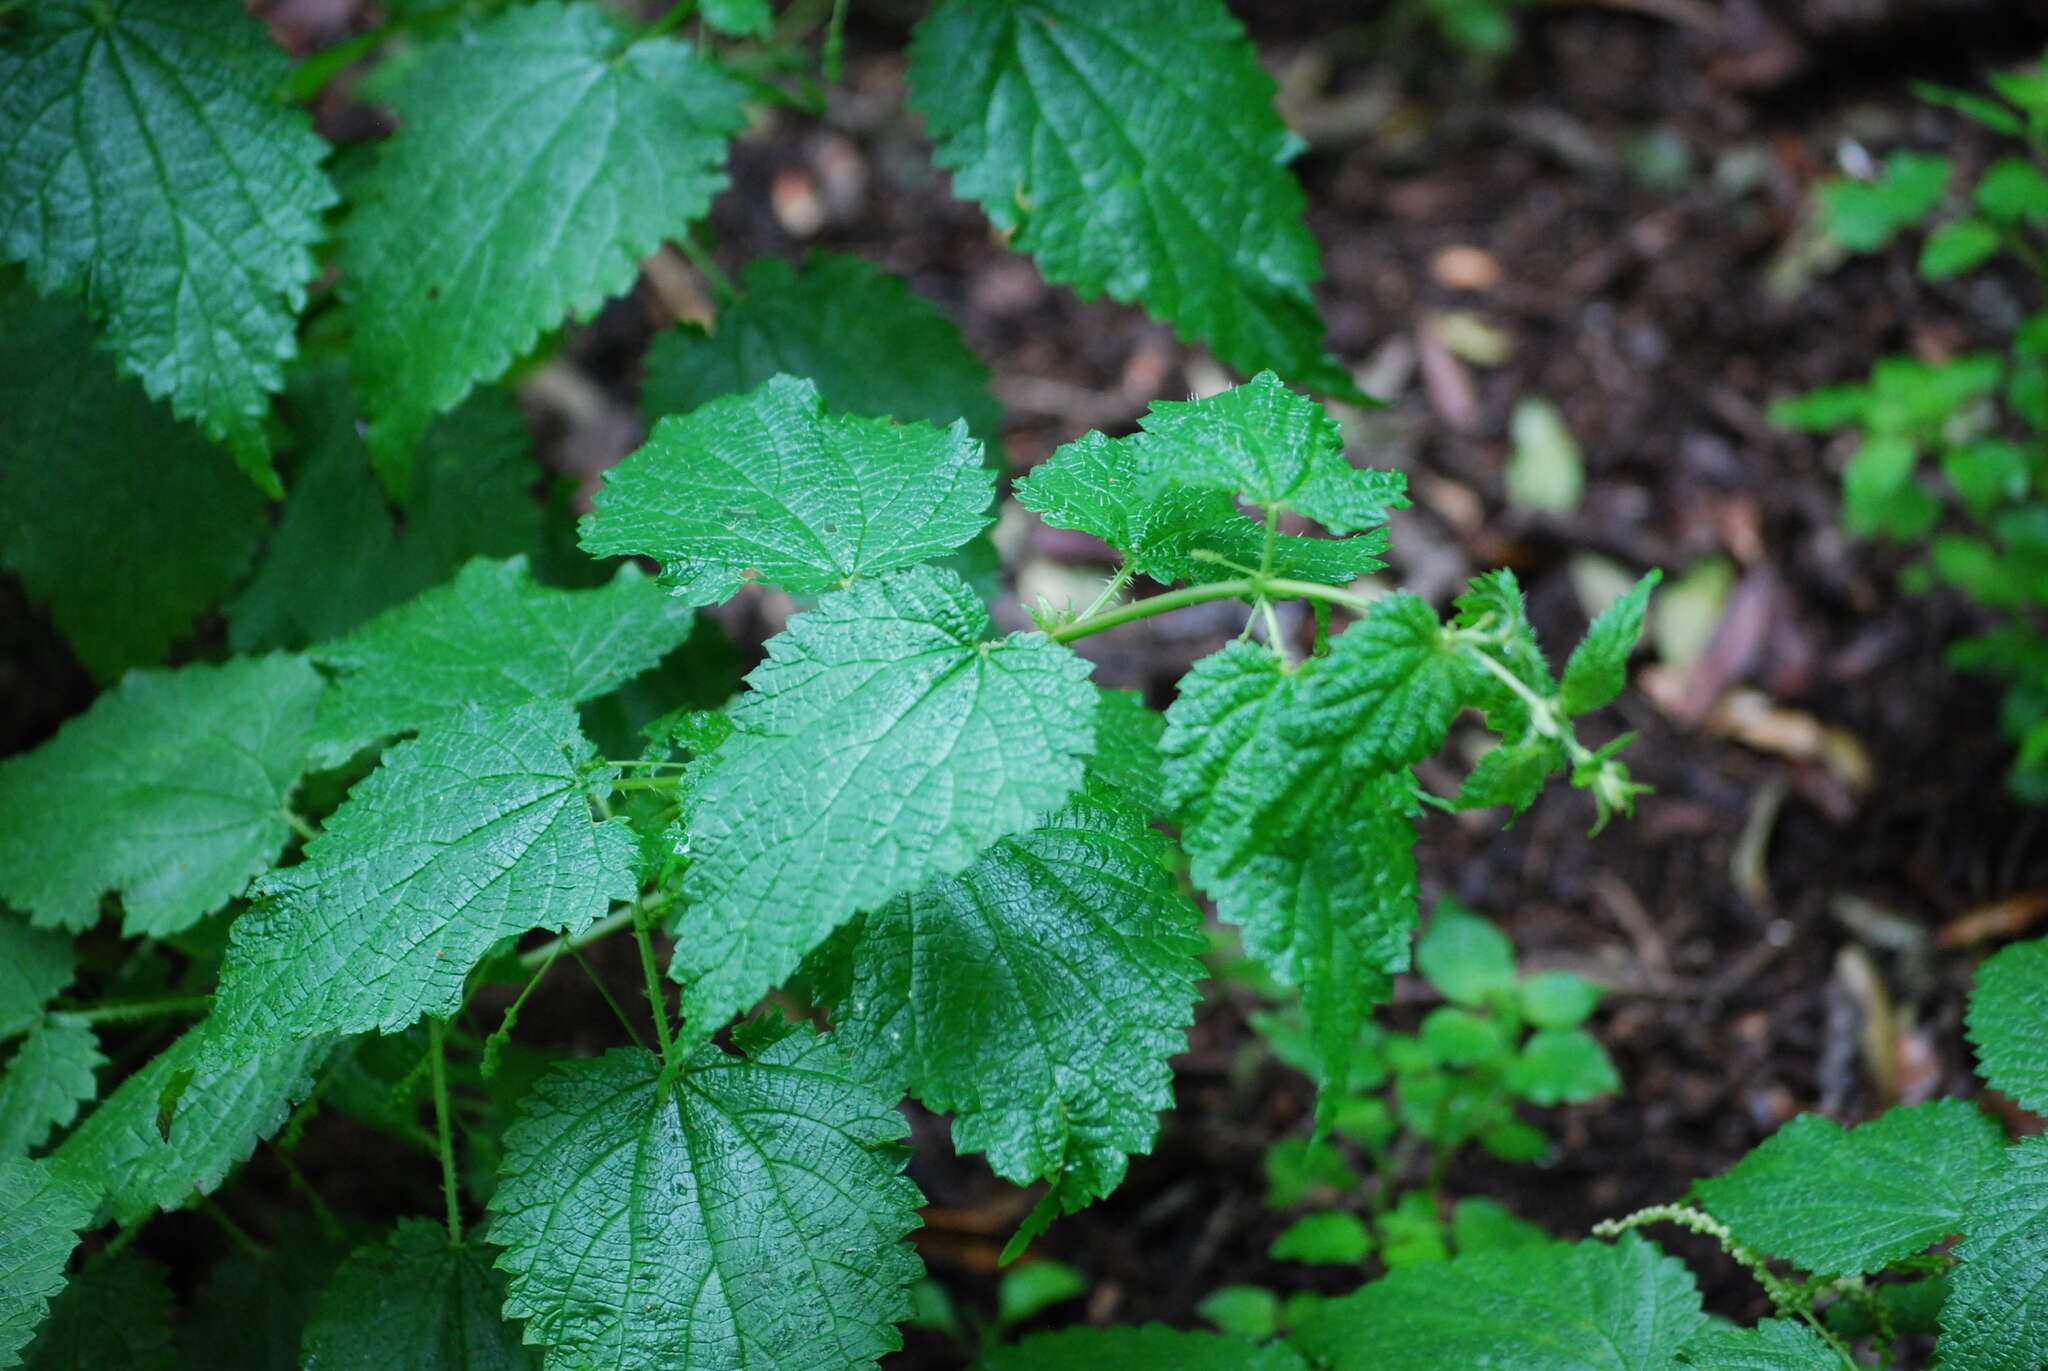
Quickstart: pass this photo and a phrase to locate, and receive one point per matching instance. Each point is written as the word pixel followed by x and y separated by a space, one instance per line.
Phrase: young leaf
pixel 767 483
pixel 1562 1066
pixel 1133 149
pixel 1849 1201
pixel 1389 687
pixel 139 524
pixel 1329 1238
pixel 115 1313
pixel 1996 1314
pixel 340 554
pixel 1773 1345
pixel 1512 774
pixel 1332 913
pixel 1581 1307
pixel 1275 447
pixel 492 637
pixel 2007 1009
pixel 1956 247
pixel 49 1076
pixel 1035 996
pixel 222 1112
pixel 885 741
pixel 1483 1225
pixel 1865 215
pixel 1464 956
pixel 35 964
pixel 1100 486
pixel 1598 669
pixel 41 1212
pixel 742 18
pixel 418 1302
pixel 827 321
pixel 477 830
pixel 1153 1347
pixel 145 162
pixel 1559 999
pixel 179 776
pixel 746 1214
pixel 542 154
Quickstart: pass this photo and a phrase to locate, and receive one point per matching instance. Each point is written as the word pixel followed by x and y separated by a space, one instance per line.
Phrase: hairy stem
pixel 603 928
pixel 657 1002
pixel 444 1128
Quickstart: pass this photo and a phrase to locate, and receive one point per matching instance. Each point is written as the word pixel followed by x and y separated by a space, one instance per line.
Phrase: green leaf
pixel 1389 687
pixel 1773 1345
pixel 415 1301
pixel 767 483
pixel 1101 486
pixel 1458 1037
pixel 1464 956
pixel 1330 912
pixel 1559 999
pixel 1296 1168
pixel 1562 1066
pixel 180 778
pixel 115 1313
pixel 253 1308
pixel 1823 410
pixel 35 964
pixel 1863 216
pixel 2012 190
pixel 222 1112
pixel 1330 1238
pixel 123 578
pixel 1275 447
pixel 1956 247
pixel 145 163
pixel 494 638
pixel 827 321
pixel 1598 669
pixel 48 1078
pixel 1512 774
pixel 1983 110
pixel 885 741
pixel 1034 1287
pixel 1127 755
pixel 1412 1233
pixel 1036 997
pixel 41 1212
pixel 1251 1312
pixel 541 155
pixel 2007 1011
pixel 747 1214
pixel 1547 472
pixel 1849 1201
pixel 1583 1307
pixel 1483 1225
pixel 1133 150
pixel 477 830
pixel 1996 1315
pixel 741 18
pixel 340 554
pixel 1153 1347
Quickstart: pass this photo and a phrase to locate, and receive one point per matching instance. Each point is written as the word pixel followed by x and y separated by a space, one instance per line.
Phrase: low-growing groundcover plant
pixel 1952 453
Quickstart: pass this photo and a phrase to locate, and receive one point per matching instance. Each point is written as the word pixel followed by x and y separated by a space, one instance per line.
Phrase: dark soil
pixel 1635 172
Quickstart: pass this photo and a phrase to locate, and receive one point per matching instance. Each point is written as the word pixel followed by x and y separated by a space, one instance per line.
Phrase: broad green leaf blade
pixel 180 778
pixel 35 964
pixel 1996 1314
pixel 1598 669
pixel 1127 756
pixel 253 1308
pixel 340 554
pixel 221 1115
pixel 767 484
pixel 1036 997
pixel 828 321
pixel 479 829
pixel 124 523
pixel 542 154
pixel 2008 1023
pixel 1562 1066
pixel 1773 1345
pixel 144 161
pixel 1512 774
pixel 495 638
pixel 885 741
pixel 1133 149
pixel 1583 1307
pixel 746 1216
pixel 1849 1201
pixel 1273 446
pixel 414 1301
pixel 41 1212
pixel 115 1313
pixel 1330 911
pixel 1464 956
pixel 49 1076
pixel 1153 1347
pixel 1389 687
pixel 745 18
pixel 1101 487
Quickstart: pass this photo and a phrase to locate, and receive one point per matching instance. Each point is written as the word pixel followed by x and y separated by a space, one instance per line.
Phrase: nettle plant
pixel 428 751
pixel 1952 454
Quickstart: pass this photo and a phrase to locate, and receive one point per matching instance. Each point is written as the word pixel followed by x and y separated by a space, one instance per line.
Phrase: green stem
pixel 671 18
pixel 647 783
pixel 444 1133
pixel 603 928
pixel 240 1235
pixel 502 1034
pixel 1109 592
pixel 656 1001
pixel 700 258
pixel 300 825
pixel 1240 588
pixel 835 41
pixel 125 1012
